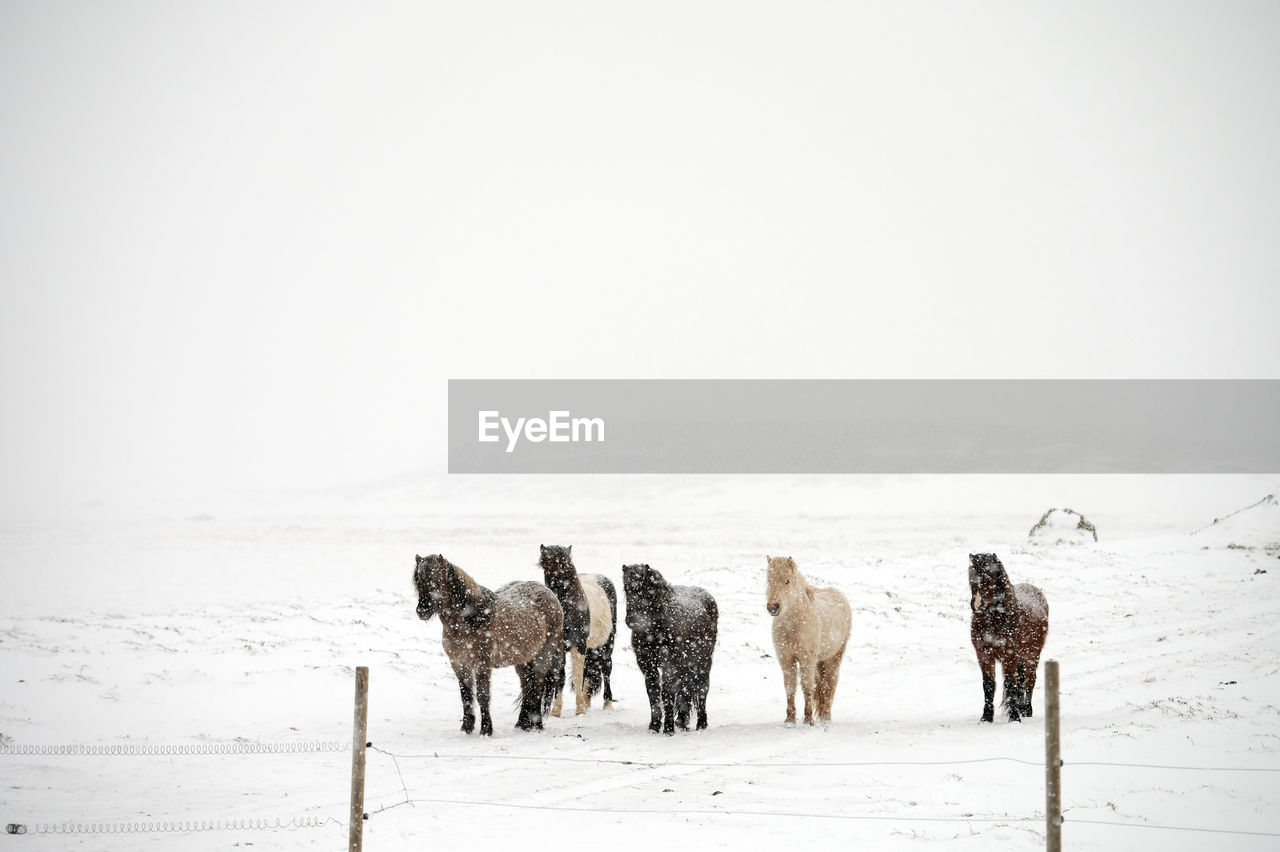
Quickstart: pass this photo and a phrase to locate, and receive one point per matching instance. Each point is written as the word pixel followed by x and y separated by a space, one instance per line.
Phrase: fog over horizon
pixel 243 247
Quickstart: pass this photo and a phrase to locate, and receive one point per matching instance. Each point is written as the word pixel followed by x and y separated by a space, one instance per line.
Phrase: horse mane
pixel 994 568
pixel 474 595
pixel 466 595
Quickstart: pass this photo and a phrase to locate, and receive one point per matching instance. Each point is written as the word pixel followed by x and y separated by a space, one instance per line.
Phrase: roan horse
pixel 590 606
pixel 810 631
pixel 518 625
pixel 673 632
pixel 1009 626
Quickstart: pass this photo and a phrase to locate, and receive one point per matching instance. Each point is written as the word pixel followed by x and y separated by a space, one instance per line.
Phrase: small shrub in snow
pixel 1062 526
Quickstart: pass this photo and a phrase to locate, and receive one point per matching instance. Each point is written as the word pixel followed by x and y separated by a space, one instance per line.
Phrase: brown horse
pixel 518 625
pixel 1009 626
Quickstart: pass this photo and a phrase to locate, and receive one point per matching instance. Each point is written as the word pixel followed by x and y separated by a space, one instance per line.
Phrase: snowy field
pixel 192 627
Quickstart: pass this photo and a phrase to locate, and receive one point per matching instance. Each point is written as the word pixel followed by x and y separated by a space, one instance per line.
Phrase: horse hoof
pixel 608 704
pixel 789 723
pixel 987 717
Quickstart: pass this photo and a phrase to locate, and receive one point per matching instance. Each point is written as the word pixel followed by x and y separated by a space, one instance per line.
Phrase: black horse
pixel 673 632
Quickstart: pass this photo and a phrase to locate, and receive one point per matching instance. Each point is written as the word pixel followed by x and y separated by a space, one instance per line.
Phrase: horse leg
pixel 1012 693
pixel 483 674
pixel 987 665
pixel 789 684
pixel 582 699
pixel 808 682
pixel 606 672
pixel 684 700
pixel 1029 684
pixel 528 694
pixel 468 697
pixel 541 667
pixel 558 677
pixel 702 687
pixel 828 676
pixel 668 700
pixel 648 662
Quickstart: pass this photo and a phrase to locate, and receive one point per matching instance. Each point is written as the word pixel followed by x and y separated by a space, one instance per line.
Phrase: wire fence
pixel 177 827
pixel 180 826
pixel 167 750
pixel 408 800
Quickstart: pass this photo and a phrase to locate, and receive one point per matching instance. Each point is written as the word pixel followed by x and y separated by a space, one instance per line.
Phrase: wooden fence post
pixel 1052 760
pixel 356 830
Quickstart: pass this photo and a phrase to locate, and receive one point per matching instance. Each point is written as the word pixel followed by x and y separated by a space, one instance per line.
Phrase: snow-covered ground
pixel 215 627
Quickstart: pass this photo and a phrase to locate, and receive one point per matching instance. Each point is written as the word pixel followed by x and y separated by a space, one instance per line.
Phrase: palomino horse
pixel 673 632
pixel 590 607
pixel 518 625
pixel 810 631
pixel 1009 626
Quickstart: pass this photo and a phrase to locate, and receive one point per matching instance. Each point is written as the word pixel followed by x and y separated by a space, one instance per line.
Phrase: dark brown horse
pixel 590 607
pixel 1009 626
pixel 518 625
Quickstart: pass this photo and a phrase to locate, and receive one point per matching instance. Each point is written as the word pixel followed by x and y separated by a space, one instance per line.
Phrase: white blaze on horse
pixel 810 631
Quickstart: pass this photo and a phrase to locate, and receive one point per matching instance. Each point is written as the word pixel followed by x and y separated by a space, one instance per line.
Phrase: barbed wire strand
pixel 219 749
pixel 812 764
pixel 170 750
pixel 743 764
pixel 403 785
pixel 681 812
pixel 171 826
pixel 1172 766
pixel 1171 827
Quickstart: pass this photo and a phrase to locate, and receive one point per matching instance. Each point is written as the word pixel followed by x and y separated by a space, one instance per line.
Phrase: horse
pixel 673 633
pixel 810 631
pixel 590 606
pixel 1009 626
pixel 518 625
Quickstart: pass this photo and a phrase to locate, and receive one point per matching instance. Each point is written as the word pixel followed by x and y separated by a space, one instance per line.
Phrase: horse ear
pixel 542 548
pixel 809 591
pixel 568 551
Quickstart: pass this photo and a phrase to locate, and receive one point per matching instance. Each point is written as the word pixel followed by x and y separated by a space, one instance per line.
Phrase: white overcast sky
pixel 244 245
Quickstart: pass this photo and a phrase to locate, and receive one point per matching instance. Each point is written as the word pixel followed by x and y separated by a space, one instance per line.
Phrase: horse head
pixel 557 567
pixel 440 584
pixel 988 583
pixel 785 584
pixel 645 590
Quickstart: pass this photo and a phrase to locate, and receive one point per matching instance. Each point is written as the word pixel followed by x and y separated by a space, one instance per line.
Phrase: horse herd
pixel 532 626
